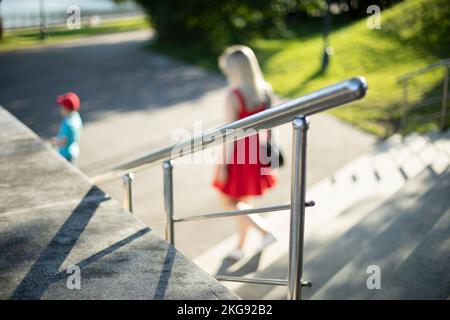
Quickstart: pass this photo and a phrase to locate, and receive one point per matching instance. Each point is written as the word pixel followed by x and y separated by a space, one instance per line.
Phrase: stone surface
pixel 52 217
pixel 388 208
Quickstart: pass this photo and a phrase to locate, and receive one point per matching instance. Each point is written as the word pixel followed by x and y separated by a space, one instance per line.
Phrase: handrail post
pixel 128 194
pixel 405 106
pixel 443 123
pixel 168 200
pixel 297 224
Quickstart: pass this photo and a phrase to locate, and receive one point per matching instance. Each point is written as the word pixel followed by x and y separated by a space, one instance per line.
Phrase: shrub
pixel 211 25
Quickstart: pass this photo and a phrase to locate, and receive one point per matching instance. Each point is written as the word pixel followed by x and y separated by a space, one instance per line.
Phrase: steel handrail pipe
pixel 332 96
pixel 275 282
pixel 223 214
pixel 230 213
pixel 423 70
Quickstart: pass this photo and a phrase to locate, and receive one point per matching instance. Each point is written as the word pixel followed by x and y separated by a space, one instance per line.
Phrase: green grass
pixel 17 39
pixel 402 45
pixel 413 34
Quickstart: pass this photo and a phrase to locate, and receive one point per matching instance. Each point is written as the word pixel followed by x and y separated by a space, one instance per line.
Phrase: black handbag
pixel 272 148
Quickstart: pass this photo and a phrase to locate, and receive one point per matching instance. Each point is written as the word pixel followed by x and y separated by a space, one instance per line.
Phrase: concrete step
pixel 388 237
pixel 52 220
pixel 342 201
pixel 425 274
pixel 412 251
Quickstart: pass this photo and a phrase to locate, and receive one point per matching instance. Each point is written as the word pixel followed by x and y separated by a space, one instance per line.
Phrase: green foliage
pixel 358 8
pixel 213 25
pixel 209 26
pixel 425 25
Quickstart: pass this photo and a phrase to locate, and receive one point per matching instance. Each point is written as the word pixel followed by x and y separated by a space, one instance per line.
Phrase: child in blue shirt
pixel 70 129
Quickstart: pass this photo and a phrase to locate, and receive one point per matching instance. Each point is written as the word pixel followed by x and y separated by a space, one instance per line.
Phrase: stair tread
pixel 425 274
pixel 406 230
pixel 346 206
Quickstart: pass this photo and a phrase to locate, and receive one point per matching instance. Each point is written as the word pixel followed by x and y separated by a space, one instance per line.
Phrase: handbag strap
pixel 241 100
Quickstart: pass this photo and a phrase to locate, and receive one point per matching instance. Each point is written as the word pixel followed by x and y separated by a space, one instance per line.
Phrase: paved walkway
pixel 132 100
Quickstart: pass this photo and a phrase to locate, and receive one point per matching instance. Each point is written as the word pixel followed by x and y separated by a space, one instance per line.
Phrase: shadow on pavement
pixel 250 266
pixel 163 281
pixel 46 266
pixel 110 77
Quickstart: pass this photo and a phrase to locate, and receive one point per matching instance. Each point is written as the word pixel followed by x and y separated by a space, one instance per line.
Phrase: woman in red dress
pixel 241 175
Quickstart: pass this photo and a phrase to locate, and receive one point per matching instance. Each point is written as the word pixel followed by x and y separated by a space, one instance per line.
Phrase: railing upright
pixel 298 203
pixel 168 200
pixel 404 106
pixel 128 194
pixel 443 123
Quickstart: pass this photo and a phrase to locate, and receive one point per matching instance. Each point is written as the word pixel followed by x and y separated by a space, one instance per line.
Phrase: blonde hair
pixel 242 69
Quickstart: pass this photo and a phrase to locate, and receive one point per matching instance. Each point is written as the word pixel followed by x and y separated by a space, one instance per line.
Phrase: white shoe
pixel 267 240
pixel 243 206
pixel 236 254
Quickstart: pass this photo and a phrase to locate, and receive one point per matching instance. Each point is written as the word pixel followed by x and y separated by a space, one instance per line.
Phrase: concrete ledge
pixel 52 217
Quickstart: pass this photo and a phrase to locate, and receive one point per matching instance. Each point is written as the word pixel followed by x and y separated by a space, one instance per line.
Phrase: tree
pixel 213 25
pixel 357 8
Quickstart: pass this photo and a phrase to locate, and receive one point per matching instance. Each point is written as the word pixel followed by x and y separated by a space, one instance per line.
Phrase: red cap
pixel 69 100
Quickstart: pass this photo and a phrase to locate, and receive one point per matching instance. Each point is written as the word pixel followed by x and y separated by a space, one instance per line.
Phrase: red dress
pixel 244 175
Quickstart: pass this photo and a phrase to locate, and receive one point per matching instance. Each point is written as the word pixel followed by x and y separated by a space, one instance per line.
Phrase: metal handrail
pixel 233 213
pixel 406 108
pixel 274 282
pixel 296 111
pixel 318 101
pixel 241 212
pixel 424 70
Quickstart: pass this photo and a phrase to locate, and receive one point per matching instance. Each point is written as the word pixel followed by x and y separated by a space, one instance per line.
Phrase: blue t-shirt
pixel 70 130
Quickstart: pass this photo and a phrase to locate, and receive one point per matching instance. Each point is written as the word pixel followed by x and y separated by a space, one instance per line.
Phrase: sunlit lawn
pixel 293 65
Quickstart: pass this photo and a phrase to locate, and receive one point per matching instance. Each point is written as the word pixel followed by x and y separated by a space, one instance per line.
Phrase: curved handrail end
pixel 359 86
